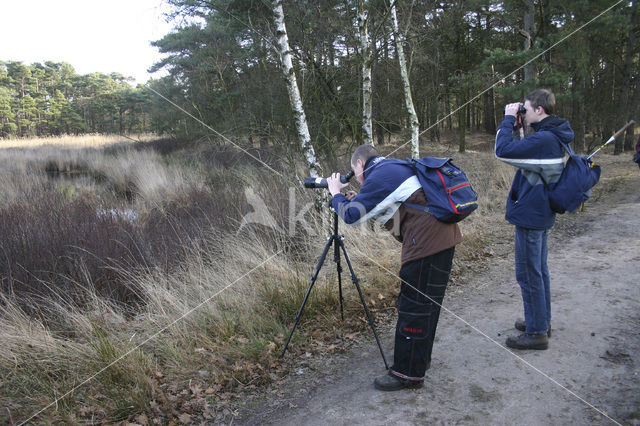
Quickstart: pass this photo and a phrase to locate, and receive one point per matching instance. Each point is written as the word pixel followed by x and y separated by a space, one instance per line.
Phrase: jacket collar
pixel 547 123
pixel 370 164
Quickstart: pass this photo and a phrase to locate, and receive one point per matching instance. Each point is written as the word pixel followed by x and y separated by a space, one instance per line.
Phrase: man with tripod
pixel 539 158
pixel 427 254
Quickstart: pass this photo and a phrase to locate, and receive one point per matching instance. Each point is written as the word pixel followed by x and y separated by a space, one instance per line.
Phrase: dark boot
pixel 522 326
pixel 528 341
pixel 389 382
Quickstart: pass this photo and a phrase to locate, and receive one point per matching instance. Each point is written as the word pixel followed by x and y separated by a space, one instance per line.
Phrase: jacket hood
pixel 556 125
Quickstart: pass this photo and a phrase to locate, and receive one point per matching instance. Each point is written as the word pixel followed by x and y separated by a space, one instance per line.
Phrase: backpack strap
pixel 412 163
pixel 417 206
pixel 567 148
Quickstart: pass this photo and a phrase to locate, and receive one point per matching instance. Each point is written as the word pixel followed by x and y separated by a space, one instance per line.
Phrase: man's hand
pixel 334 185
pixel 350 195
pixel 512 109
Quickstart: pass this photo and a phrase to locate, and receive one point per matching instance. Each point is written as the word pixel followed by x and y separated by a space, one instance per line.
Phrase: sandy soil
pixel 589 374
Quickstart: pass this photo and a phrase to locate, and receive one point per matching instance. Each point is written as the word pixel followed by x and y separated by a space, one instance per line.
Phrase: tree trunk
pixel 434 133
pixel 292 88
pixel 578 121
pixel 462 122
pixel 406 85
pixel 631 106
pixel 447 100
pixel 529 15
pixel 489 113
pixel 367 61
pixel 630 141
pixel 625 85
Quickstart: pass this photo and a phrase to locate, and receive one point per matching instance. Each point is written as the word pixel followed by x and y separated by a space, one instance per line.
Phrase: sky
pixel 92 35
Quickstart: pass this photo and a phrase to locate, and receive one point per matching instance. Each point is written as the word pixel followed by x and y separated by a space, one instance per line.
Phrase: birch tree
pixel 284 52
pixel 367 63
pixel 406 85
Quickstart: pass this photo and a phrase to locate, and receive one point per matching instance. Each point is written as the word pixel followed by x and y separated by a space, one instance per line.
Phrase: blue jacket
pixel 537 157
pixel 388 182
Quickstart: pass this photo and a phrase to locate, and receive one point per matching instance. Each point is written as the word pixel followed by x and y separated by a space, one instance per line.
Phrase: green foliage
pixel 224 69
pixel 50 99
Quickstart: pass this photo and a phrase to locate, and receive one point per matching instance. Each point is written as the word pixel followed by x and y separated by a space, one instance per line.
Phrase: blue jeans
pixel 532 274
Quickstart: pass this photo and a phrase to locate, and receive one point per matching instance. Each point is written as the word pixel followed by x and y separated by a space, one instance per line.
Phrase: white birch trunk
pixel 367 61
pixel 413 117
pixel 292 88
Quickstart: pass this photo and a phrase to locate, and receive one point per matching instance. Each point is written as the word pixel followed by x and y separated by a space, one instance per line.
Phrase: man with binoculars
pixel 539 158
pixel 427 255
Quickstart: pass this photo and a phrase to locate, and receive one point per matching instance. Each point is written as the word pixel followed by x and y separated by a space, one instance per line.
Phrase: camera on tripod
pixel 311 182
pixel 336 240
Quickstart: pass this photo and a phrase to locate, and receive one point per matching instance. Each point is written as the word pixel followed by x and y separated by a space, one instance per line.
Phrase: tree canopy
pixel 465 60
pixel 225 64
pixel 51 99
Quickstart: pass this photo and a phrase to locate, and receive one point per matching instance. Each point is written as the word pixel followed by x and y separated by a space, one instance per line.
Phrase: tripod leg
pixel 336 259
pixel 364 305
pixel 306 296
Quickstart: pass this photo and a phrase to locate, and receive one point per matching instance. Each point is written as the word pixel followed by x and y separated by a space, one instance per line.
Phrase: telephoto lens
pixel 320 182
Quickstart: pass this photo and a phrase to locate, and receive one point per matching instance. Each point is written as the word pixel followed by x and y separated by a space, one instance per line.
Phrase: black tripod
pixel 338 243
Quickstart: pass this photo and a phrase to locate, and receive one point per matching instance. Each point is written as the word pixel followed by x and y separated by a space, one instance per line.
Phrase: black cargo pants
pixel 424 282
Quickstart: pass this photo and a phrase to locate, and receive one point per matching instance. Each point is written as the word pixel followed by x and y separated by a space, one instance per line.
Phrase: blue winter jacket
pixel 388 182
pixel 537 157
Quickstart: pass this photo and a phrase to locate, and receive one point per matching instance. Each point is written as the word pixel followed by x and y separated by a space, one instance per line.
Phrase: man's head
pixel 360 156
pixel 539 105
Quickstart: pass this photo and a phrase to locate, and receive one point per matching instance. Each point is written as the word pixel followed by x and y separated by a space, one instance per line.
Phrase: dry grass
pixel 84 141
pixel 186 307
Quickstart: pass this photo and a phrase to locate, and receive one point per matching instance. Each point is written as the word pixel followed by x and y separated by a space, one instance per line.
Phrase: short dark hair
pixel 542 98
pixel 364 153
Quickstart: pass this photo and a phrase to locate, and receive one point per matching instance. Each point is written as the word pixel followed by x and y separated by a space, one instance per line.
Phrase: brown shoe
pixel 528 341
pixel 522 326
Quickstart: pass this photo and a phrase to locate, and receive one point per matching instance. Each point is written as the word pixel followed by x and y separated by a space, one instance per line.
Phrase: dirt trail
pixel 593 359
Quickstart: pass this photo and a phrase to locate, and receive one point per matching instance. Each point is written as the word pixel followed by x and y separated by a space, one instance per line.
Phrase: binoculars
pixel 521 109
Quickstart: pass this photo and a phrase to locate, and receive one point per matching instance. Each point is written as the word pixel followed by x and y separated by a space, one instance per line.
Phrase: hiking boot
pixel 528 341
pixel 389 382
pixel 521 326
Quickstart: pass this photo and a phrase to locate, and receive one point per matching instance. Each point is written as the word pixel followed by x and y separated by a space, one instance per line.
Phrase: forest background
pixel 224 68
pixel 150 265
